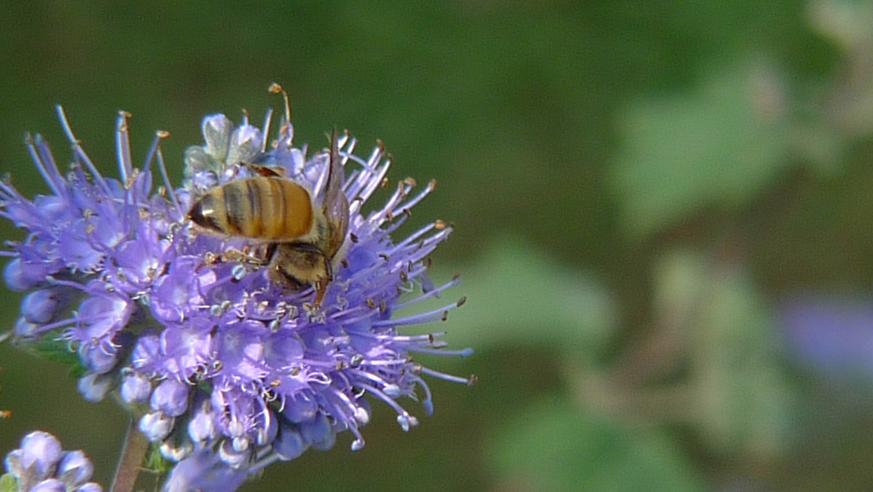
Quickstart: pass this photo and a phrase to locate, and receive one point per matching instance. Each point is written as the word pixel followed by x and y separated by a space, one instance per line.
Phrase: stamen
pixel 285 129
pixel 467 352
pixel 432 293
pixel 80 153
pixel 434 315
pixel 382 396
pixel 28 140
pixel 163 169
pixel 122 146
pixel 448 377
pixel 265 131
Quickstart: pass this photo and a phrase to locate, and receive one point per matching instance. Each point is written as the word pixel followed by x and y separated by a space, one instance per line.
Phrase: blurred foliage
pixel 635 184
pixel 552 446
pixel 719 145
pixel 520 296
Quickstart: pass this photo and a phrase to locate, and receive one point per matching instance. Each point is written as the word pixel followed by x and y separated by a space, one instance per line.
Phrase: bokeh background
pixel 663 216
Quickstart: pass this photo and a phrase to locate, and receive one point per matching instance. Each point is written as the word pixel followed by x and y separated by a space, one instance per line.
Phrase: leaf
pixel 56 350
pixel 717 145
pixel 8 483
pixel 743 400
pixel 155 461
pixel 518 296
pixel 553 446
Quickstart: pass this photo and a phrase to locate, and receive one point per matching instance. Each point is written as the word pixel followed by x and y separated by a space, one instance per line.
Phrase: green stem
pixel 132 455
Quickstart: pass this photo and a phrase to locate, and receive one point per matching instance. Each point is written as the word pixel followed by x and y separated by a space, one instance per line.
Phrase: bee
pixel 303 238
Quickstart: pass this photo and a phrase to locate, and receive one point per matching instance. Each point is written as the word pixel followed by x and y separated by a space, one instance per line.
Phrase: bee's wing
pixel 335 204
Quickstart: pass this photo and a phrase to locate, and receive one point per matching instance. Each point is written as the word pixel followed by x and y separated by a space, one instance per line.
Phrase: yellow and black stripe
pixel 266 208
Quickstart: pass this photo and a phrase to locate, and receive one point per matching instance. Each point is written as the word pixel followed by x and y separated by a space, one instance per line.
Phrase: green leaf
pixel 717 145
pixel 49 347
pixel 519 296
pixel 744 402
pixel 8 483
pixel 155 461
pixel 554 446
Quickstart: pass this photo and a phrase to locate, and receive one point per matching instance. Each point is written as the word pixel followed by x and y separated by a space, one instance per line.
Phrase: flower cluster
pixel 196 339
pixel 40 465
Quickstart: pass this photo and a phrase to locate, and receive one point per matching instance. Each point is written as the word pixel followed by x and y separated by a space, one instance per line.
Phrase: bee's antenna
pixel 275 88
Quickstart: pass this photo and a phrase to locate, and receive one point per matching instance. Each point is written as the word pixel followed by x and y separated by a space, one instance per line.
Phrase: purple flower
pixel 41 464
pixel 830 335
pixel 220 360
pixel 204 471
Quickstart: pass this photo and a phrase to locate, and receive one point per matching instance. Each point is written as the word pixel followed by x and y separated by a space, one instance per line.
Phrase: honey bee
pixel 303 238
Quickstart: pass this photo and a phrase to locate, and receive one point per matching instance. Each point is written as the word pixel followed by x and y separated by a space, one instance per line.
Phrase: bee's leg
pixel 302 264
pixel 322 283
pixel 233 255
pixel 266 171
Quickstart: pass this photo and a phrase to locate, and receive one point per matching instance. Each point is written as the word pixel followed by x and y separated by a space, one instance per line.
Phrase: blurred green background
pixel 663 218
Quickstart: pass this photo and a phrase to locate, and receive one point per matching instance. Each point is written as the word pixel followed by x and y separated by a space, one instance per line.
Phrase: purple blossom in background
pixel 831 335
pixel 41 465
pixel 224 367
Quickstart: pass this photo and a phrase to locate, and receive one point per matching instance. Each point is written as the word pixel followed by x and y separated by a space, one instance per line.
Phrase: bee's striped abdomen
pixel 267 208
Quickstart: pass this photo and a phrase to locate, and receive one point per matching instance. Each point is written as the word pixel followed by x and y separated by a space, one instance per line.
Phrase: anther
pixel 473 379
pixel 462 301
pixel 275 88
pixel 238 272
pixel 445 316
pixel 409 181
pixel 439 224
pixel 163 134
pixel 353 237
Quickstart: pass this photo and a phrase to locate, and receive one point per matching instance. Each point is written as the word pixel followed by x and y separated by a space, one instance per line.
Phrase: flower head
pixel 189 327
pixel 41 464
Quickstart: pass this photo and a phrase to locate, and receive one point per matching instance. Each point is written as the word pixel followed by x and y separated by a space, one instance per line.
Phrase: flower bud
pixel 50 485
pixel 75 468
pixel 318 433
pixel 170 397
pixel 156 426
pixel 40 454
pixel 245 143
pixel 94 387
pixel 289 444
pixel 40 305
pixel 201 428
pixel 216 130
pixel 135 388
pixel 20 277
